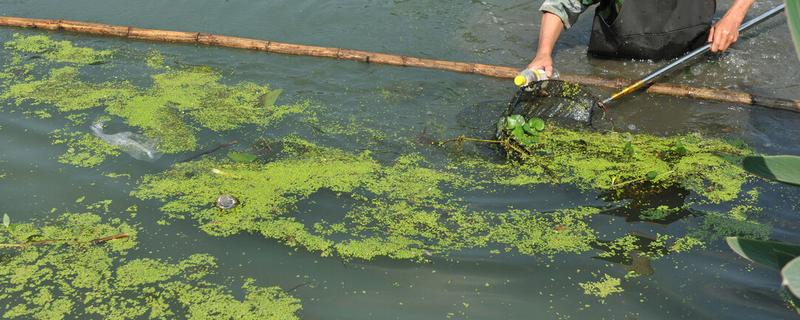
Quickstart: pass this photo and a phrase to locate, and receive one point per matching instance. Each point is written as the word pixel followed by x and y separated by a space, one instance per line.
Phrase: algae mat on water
pixel 400 210
pixel 58 270
pixel 612 161
pixel 403 208
pixel 43 76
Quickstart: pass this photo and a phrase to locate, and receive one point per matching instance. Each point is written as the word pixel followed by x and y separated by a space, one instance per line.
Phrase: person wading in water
pixel 640 29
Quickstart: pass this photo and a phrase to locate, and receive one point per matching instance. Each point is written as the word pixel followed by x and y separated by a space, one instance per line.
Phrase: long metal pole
pixel 650 78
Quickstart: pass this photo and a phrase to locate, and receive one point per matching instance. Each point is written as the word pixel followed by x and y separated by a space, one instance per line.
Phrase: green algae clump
pixel 60 270
pixel 56 51
pixel 612 161
pixel 83 149
pixel 180 103
pixel 603 288
pixel 403 210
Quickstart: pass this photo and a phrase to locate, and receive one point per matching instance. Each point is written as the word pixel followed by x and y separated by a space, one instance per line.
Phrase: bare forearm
pixel 550 30
pixel 739 8
pixel 548 35
pixel 726 31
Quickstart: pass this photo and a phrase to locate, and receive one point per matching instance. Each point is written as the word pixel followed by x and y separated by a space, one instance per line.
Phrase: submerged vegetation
pixel 75 267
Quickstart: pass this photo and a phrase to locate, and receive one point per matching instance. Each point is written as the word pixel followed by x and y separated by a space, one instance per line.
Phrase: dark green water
pixel 712 283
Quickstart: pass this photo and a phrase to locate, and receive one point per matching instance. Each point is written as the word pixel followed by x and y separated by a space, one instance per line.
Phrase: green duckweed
pixel 83 149
pixel 72 277
pixel 172 111
pixel 602 288
pixel 600 161
pixel 402 210
pixel 56 51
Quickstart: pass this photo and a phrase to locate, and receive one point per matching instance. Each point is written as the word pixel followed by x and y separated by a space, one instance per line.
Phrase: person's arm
pixel 557 15
pixel 548 35
pixel 726 31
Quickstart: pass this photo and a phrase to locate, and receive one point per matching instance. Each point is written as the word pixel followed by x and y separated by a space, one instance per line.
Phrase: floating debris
pixel 137 146
pixel 226 202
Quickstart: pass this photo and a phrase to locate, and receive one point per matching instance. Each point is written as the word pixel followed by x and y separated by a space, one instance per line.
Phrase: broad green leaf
pixel 269 99
pixel 518 133
pixel 772 254
pixel 528 128
pixel 242 156
pixel 785 169
pixel 536 124
pixel 791 277
pixel 652 175
pixel 793 17
pixel 514 121
pixel 6 220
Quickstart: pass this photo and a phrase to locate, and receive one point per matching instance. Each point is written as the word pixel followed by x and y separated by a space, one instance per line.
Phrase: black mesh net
pixel 566 103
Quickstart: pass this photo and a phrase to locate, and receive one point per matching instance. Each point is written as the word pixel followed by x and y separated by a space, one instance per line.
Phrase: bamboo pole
pixel 719 95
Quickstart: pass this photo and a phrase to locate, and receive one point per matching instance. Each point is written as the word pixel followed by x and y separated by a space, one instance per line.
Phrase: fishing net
pixel 566 103
pixel 558 103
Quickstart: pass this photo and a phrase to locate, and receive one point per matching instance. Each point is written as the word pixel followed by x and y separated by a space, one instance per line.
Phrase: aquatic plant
pixel 776 255
pixel 83 149
pixel 793 16
pixel 603 288
pixel 400 210
pixel 613 161
pixel 41 46
pixel 71 268
pixel 405 208
pixel 781 168
pixel 179 103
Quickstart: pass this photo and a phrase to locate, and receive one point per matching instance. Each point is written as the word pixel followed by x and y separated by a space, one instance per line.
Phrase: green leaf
pixel 269 99
pixel 518 133
pixel 527 128
pixel 785 169
pixel 536 124
pixel 6 220
pixel 791 277
pixel 793 17
pixel 772 254
pixel 514 121
pixel 652 175
pixel 242 157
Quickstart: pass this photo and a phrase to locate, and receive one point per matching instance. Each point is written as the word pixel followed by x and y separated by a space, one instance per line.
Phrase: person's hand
pixel 724 33
pixel 542 62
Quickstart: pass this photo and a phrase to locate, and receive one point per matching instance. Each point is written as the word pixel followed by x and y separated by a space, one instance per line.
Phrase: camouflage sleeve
pixel 567 10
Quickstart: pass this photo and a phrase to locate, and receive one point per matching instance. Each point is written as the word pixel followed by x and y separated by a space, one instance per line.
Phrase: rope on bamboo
pixel 719 95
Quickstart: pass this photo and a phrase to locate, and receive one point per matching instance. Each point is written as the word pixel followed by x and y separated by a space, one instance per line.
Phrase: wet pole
pixel 129 32
pixel 655 75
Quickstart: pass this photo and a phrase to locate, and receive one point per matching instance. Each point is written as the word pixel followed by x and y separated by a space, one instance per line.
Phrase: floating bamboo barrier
pixel 719 95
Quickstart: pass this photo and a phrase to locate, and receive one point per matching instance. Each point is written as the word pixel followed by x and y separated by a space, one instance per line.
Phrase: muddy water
pixel 711 283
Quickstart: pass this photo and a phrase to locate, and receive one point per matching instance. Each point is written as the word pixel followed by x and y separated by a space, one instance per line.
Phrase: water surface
pixel 706 284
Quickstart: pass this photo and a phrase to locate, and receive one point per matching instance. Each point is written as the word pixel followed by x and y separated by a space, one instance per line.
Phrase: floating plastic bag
pixel 136 145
